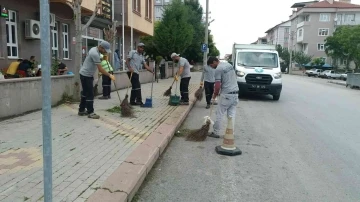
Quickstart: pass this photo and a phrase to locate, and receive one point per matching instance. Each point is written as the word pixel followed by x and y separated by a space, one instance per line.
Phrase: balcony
pixel 344 23
pixel 303 23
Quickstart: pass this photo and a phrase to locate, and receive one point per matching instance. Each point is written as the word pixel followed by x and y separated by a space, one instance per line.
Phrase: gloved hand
pixel 112 77
pixel 201 84
pixel 176 78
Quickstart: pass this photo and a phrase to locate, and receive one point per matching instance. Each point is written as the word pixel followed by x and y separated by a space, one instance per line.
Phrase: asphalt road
pixel 305 147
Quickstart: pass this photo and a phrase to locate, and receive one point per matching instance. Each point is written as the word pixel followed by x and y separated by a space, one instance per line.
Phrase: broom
pixel 199 93
pixel 126 109
pixel 167 93
pixel 201 134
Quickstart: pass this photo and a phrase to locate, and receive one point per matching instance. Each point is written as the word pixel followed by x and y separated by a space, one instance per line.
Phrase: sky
pixel 243 21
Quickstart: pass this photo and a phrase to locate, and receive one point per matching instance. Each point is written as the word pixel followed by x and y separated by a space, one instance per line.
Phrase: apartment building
pixel 261 40
pixel 139 14
pixel 159 6
pixel 279 34
pixel 20 27
pixel 312 22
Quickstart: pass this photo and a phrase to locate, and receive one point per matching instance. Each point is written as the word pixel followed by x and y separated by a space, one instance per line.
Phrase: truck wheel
pixel 276 97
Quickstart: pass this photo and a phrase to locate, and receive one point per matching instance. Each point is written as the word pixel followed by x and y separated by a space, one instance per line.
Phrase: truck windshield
pixel 257 59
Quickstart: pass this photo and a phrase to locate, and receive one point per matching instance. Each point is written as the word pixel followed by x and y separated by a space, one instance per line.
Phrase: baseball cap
pixel 174 55
pixel 141 44
pixel 106 46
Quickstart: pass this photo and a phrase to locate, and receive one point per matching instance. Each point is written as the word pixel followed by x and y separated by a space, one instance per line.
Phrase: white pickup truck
pixel 257 68
pixel 313 72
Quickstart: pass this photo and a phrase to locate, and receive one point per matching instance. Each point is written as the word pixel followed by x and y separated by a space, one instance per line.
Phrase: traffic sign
pixel 204 47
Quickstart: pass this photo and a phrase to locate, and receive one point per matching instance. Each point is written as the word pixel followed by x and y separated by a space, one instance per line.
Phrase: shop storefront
pixel 91 37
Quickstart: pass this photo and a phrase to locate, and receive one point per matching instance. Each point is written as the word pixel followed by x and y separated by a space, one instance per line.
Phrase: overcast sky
pixel 243 21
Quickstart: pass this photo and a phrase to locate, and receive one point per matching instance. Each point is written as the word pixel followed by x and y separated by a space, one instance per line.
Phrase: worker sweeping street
pixel 87 71
pixel 134 63
pixel 106 81
pixel 225 81
pixel 208 81
pixel 184 73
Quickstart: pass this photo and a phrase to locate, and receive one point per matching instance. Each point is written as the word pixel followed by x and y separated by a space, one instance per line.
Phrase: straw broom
pixel 167 93
pixel 126 109
pixel 201 134
pixel 199 93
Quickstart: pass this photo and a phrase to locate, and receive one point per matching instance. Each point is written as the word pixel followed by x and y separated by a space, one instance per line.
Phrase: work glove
pixel 201 84
pixel 112 77
pixel 176 78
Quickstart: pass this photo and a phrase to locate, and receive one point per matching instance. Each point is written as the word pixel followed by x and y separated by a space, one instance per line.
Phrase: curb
pixel 122 185
pixel 337 83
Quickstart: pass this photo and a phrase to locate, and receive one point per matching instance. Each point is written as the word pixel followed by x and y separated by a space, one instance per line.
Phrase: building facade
pixel 312 22
pixel 279 34
pixel 20 28
pixel 159 7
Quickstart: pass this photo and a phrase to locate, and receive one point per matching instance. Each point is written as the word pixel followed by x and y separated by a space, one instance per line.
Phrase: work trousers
pixel 87 94
pixel 227 104
pixel 136 88
pixel 106 84
pixel 209 91
pixel 184 89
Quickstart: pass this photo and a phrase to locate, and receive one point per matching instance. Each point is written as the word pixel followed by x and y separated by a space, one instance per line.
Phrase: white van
pixel 258 71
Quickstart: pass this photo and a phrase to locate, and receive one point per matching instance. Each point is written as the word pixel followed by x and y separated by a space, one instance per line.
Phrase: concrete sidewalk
pixel 85 151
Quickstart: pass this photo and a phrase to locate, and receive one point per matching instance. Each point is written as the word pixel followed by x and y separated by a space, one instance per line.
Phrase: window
pixel 11 35
pixel 166 1
pixel 321 47
pixel 343 62
pixel 65 34
pixel 349 17
pixel 55 40
pixel 286 39
pixel 148 7
pixel 158 1
pixel 287 30
pixel 255 59
pixel 324 17
pixel 324 32
pixel 300 32
pixel 136 5
pixel 307 18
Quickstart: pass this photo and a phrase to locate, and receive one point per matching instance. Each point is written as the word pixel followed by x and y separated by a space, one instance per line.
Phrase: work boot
pixel 207 106
pixel 212 134
pixel 83 113
pixel 93 116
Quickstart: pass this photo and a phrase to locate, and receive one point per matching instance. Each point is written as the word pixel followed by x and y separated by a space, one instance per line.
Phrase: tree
pixel 317 62
pixel 150 49
pixel 301 58
pixel 344 44
pixel 174 33
pixel 193 52
pixel 76 6
pixel 213 51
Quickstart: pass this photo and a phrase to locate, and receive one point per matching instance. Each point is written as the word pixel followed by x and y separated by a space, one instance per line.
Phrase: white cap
pixel 174 55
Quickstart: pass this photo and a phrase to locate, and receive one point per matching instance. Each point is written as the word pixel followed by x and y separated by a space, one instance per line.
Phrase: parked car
pixel 314 72
pixel 334 75
pixel 325 74
pixel 344 76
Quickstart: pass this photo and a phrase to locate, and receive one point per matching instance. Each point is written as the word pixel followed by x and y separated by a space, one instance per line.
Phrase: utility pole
pixel 46 97
pixel 123 33
pixel 291 52
pixel 131 23
pixel 206 32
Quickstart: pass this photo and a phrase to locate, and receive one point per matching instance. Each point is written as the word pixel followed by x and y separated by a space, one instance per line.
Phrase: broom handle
pixel 127 91
pixel 152 85
pixel 117 91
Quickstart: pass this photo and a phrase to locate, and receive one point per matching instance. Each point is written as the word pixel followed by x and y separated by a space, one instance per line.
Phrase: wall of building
pixel 29 9
pixel 140 21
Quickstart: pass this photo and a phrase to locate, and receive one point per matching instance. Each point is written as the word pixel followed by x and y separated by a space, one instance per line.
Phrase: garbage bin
pixel 162 72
